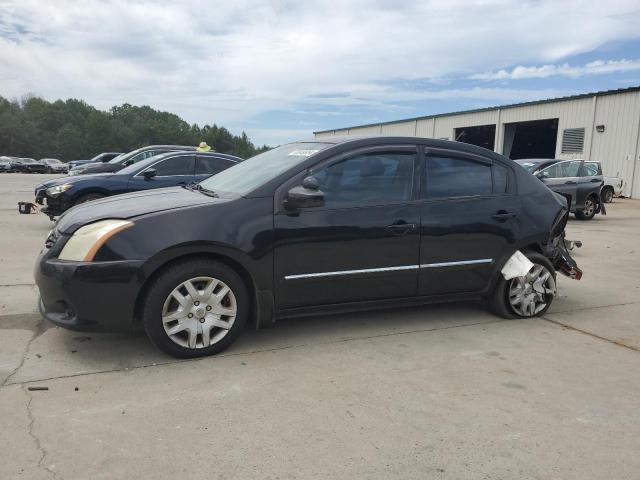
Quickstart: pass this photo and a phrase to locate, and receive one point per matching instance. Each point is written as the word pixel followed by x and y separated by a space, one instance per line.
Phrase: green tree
pixel 72 129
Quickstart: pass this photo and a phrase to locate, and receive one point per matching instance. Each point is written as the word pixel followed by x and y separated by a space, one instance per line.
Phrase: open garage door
pixel 535 139
pixel 481 135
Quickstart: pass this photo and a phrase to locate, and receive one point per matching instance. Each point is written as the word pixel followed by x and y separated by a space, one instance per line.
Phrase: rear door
pixel 363 243
pixel 177 170
pixel 208 165
pixel 590 180
pixel 470 216
pixel 562 177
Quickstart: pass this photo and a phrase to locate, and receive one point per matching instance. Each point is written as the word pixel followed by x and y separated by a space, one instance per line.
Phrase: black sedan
pixel 323 226
pixel 126 159
pixel 165 170
pixel 576 180
pixel 27 165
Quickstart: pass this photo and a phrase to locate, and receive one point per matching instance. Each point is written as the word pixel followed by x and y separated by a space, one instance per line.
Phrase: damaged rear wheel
pixel 527 296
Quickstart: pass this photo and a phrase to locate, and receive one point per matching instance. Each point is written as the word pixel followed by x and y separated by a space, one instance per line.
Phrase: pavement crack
pixel 31 431
pixel 252 352
pixel 39 330
pixel 594 335
pixel 595 307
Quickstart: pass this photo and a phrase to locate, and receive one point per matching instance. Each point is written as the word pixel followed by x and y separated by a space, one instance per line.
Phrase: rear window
pixel 455 177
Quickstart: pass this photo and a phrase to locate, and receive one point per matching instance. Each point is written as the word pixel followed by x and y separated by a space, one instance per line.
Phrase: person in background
pixel 203 147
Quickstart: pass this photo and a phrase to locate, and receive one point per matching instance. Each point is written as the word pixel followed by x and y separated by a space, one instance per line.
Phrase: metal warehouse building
pixel 602 126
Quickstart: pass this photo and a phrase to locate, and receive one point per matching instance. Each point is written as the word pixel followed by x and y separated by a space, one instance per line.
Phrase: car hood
pixel 71 179
pixel 90 168
pixel 132 205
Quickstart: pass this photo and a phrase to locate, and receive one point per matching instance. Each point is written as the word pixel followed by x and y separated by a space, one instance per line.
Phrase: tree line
pixel 71 129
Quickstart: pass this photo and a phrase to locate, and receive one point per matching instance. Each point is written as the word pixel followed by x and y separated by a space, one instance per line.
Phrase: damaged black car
pixel 325 226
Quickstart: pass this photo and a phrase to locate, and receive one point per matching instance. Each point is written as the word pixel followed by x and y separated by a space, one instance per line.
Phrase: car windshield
pixel 118 158
pixel 141 165
pixel 250 174
pixel 528 165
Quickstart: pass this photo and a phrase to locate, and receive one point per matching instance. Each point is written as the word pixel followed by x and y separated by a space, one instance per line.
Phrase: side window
pixel 500 179
pixel 182 165
pixel 589 169
pixel 368 179
pixel 571 169
pixel 211 165
pixel 554 171
pixel 455 177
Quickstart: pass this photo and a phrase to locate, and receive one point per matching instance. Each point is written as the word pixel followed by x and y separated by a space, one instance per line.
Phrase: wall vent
pixel 573 140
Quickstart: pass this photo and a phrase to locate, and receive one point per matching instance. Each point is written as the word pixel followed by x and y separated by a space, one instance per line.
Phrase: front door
pixel 363 243
pixel 469 221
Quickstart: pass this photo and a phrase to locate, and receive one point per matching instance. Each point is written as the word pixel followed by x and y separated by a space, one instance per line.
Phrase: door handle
pixel 570 182
pixel 595 180
pixel 400 228
pixel 503 215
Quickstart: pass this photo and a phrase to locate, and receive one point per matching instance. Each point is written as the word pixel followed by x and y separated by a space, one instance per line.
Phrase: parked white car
pixel 612 186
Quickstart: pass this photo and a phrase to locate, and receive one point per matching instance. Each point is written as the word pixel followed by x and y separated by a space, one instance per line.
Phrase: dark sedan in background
pixel 100 158
pixel 127 159
pixel 579 181
pixel 164 170
pixel 325 226
pixel 27 165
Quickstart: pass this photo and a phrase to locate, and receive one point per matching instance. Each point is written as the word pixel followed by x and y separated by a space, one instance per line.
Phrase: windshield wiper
pixel 193 186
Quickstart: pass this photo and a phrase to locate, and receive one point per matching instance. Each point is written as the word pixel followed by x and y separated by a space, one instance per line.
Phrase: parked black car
pixel 100 158
pixel 322 226
pixel 576 180
pixel 27 165
pixel 127 159
pixel 164 170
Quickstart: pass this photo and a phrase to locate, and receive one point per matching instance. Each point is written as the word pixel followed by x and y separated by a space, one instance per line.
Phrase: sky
pixel 280 70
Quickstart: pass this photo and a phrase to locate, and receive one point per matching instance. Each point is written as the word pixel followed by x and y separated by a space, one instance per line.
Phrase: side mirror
pixel 307 195
pixel 128 162
pixel 149 174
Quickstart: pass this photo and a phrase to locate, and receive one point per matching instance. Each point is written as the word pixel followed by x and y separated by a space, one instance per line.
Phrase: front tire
pixel 88 197
pixel 528 296
pixel 195 308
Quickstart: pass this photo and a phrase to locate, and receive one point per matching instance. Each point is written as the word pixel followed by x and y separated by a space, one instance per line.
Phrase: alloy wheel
pixel 532 293
pixel 589 207
pixel 199 312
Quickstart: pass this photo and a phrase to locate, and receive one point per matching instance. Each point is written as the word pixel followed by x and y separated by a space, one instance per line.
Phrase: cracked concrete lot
pixel 443 391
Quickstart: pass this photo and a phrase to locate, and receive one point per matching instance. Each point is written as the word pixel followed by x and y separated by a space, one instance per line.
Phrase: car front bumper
pixel 53 206
pixel 83 296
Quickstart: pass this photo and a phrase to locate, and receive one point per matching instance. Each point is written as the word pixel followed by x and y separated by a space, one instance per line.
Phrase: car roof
pixel 142 164
pixel 373 140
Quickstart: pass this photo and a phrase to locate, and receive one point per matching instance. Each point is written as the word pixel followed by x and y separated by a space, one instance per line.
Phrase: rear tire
pixel 589 210
pixel 500 300
pixel 185 321
pixel 607 194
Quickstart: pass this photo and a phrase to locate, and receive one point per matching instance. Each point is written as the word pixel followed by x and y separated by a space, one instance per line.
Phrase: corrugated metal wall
pixel 617 147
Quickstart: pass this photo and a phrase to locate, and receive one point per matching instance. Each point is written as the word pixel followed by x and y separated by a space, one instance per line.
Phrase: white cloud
pixel 599 67
pixel 230 62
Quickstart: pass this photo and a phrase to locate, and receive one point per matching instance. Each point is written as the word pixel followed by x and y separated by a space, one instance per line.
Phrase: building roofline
pixel 488 109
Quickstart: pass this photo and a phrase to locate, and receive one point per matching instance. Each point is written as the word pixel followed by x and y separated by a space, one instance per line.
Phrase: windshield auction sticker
pixel 304 153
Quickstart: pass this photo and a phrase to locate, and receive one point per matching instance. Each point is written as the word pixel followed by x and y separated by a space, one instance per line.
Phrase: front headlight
pixel 58 189
pixel 86 241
